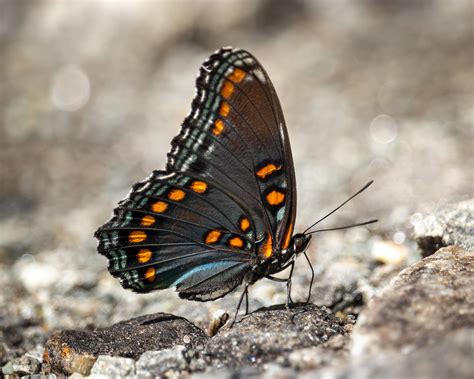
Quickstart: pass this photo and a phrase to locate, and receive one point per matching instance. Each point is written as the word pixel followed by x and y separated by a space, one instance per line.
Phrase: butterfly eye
pixel 300 242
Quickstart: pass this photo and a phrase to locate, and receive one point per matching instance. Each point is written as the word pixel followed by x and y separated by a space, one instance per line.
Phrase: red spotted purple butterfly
pixel 223 212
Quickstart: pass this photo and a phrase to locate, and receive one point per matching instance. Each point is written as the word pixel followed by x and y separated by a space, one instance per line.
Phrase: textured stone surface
pixel 158 363
pixel 62 172
pixel 271 333
pixel 450 225
pixel 113 366
pixel 76 351
pixel 333 352
pixel 24 365
pixel 450 357
pixel 423 303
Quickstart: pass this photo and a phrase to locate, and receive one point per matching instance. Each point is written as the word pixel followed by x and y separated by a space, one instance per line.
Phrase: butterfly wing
pixel 227 199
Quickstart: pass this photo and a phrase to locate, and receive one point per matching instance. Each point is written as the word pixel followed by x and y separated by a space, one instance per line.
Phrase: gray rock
pixel 165 362
pixel 449 357
pixel 271 333
pixel 274 371
pixel 113 367
pixel 333 352
pixel 76 351
pixel 6 353
pixel 450 225
pixel 213 373
pixel 422 304
pixel 24 365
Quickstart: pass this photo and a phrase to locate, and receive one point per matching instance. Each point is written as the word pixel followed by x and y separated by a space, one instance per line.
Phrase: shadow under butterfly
pixel 223 212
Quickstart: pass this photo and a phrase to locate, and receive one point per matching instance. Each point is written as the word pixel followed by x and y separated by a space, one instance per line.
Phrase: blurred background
pixel 92 93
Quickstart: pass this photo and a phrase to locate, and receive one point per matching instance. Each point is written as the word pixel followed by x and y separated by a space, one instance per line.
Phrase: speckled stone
pixel 271 333
pixel 76 351
pixel 450 225
pixel 113 366
pixel 334 352
pixel 449 357
pixel 423 303
pixel 154 364
pixel 24 365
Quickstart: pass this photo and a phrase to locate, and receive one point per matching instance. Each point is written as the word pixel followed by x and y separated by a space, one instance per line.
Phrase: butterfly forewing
pixel 227 198
pixel 242 140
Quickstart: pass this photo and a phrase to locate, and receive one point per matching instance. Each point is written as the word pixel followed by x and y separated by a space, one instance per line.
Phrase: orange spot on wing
pixel 150 274
pixel 213 236
pixel 176 195
pixel 137 236
pixel 244 224
pixel 144 255
pixel 237 75
pixel 66 352
pixel 275 197
pixel 199 186
pixel 148 220
pixel 224 109
pixel 227 89
pixel 267 170
pixel 159 207
pixel 266 249
pixel 236 242
pixel 218 127
pixel 287 238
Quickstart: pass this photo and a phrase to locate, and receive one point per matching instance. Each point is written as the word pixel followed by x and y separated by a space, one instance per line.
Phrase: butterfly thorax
pixel 281 258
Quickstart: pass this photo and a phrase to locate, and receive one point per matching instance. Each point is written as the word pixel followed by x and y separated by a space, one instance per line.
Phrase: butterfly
pixel 223 211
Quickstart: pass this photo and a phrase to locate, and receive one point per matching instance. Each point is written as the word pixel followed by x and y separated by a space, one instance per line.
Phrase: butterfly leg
pixel 289 300
pixel 312 278
pixel 246 300
pixel 244 293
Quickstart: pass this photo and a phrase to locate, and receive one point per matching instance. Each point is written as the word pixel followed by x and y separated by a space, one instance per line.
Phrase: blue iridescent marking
pixel 213 267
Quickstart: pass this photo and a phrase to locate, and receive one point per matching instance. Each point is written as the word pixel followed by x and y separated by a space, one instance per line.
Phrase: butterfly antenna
pixel 340 206
pixel 345 227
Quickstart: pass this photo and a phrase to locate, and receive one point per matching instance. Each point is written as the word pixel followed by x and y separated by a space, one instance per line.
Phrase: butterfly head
pixel 299 242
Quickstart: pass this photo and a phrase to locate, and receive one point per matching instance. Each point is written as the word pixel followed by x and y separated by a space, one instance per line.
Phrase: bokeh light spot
pixel 70 88
pixel 399 237
pixel 383 129
pixel 416 218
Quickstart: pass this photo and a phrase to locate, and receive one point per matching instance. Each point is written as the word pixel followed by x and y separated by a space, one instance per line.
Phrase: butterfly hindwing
pixel 165 228
pixel 227 198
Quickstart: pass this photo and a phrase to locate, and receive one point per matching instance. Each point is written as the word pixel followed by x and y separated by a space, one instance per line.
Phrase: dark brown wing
pixel 227 198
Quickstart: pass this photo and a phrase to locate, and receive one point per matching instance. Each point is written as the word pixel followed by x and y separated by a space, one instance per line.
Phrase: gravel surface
pixel 93 92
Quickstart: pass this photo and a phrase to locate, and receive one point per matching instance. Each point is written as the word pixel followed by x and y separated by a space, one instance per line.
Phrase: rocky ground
pixel 420 325
pixel 91 96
